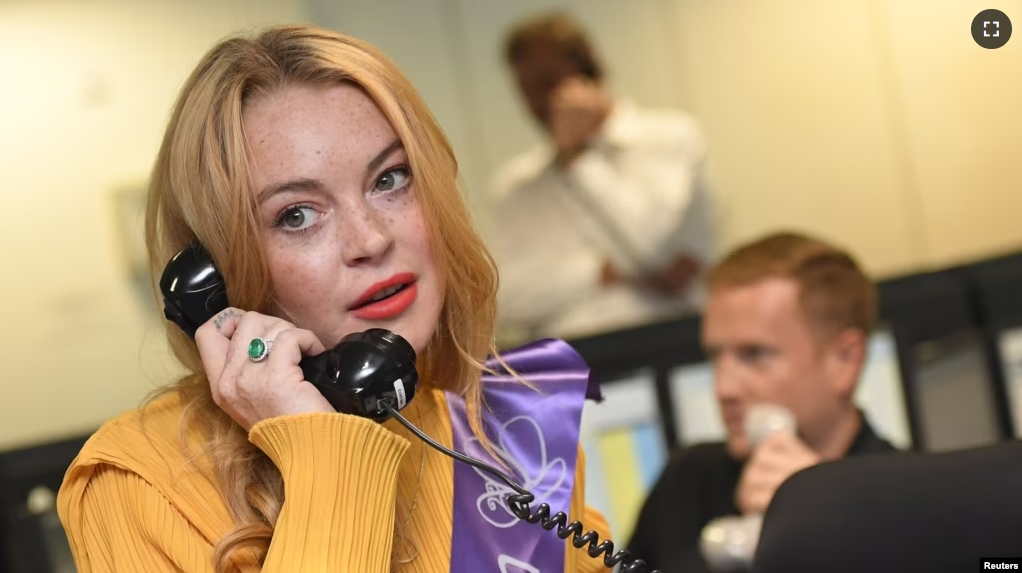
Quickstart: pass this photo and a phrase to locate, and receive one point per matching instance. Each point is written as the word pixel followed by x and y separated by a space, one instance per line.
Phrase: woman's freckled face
pixel 339 208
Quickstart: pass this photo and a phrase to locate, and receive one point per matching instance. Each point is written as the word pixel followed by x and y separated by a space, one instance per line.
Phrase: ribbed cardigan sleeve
pixel 340 478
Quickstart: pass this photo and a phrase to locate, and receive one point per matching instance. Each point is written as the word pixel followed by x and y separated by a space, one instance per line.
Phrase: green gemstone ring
pixel 259 348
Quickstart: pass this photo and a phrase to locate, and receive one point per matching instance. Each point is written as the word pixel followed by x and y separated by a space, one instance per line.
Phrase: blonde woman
pixel 319 183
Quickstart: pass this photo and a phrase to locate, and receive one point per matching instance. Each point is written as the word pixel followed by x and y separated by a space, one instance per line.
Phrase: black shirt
pixel 698 485
pixel 912 512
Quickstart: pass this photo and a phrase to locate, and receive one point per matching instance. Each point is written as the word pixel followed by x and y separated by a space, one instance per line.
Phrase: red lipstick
pixel 390 306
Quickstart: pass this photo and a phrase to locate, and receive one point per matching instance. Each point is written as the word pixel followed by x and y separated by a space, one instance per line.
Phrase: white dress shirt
pixel 636 197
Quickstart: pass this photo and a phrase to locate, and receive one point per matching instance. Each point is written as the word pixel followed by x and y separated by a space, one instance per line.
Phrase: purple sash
pixel 537 434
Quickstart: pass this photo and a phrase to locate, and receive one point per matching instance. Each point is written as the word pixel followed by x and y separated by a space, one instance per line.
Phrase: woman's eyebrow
pixel 382 156
pixel 302 184
pixel 306 184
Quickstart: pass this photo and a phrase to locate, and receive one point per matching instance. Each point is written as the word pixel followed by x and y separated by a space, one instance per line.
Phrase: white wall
pixel 87 88
pixel 963 125
pixel 793 104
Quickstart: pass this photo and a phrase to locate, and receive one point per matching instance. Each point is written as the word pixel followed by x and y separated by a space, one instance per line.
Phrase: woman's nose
pixel 368 236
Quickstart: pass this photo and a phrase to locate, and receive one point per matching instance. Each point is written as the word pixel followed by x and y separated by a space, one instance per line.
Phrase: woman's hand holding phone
pixel 251 391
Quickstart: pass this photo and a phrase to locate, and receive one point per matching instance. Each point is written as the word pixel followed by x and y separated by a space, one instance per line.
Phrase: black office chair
pixel 31 537
pixel 889 514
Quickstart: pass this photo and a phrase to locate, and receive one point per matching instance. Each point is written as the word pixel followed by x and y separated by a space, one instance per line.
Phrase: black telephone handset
pixel 370 374
pixel 356 376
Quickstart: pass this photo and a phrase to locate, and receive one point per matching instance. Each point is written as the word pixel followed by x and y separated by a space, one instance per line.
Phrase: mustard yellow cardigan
pixel 131 501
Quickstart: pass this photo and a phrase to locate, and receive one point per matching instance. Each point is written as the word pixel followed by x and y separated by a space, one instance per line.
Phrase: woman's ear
pixel 845 360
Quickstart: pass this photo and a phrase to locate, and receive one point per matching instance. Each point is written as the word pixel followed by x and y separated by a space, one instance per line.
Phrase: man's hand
pixel 578 108
pixel 671 281
pixel 609 275
pixel 676 278
pixel 775 460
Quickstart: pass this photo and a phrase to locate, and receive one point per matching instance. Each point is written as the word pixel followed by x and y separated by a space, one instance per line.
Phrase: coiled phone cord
pixel 519 505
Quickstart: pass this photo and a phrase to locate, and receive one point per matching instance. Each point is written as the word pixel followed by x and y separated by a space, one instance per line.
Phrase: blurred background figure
pixel 786 323
pixel 608 223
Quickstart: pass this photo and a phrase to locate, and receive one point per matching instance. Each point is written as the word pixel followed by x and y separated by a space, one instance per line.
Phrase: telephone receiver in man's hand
pixel 355 376
pixel 729 543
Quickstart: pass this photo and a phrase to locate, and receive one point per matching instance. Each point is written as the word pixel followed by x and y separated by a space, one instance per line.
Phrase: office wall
pixel 87 89
pixel 961 120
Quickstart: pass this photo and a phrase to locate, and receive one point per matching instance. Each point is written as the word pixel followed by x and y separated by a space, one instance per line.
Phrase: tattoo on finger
pixel 222 318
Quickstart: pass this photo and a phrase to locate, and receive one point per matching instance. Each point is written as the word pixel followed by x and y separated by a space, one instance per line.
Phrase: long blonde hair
pixel 201 190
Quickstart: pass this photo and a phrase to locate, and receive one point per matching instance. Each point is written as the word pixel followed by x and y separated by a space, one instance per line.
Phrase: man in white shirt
pixel 608 225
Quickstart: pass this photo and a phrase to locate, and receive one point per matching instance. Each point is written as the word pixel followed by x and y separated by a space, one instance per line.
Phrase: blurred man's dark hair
pixel 555 30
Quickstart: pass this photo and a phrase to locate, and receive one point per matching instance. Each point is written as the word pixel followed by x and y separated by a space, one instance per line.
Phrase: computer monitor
pixel 881 393
pixel 954 394
pixel 1010 345
pixel 625 450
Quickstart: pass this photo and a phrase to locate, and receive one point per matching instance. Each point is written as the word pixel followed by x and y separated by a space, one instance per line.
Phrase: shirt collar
pixel 867 441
